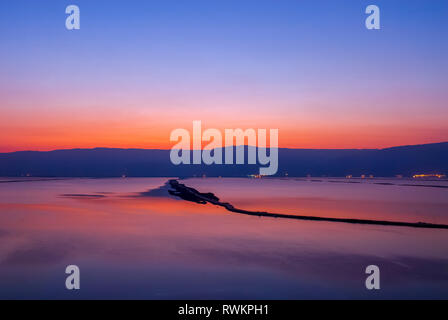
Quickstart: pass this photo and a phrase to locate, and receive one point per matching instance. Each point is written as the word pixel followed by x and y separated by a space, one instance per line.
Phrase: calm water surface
pixel 132 240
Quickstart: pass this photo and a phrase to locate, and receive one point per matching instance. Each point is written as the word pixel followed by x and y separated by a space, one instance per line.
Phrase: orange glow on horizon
pixel 46 140
pixel 119 129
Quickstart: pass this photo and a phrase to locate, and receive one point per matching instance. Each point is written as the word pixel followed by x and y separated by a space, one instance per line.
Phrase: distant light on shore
pixel 417 176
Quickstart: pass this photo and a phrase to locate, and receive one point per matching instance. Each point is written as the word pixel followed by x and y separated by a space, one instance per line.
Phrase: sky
pixel 136 70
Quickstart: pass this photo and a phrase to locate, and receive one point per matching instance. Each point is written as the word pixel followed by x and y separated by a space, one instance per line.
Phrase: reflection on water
pixel 132 240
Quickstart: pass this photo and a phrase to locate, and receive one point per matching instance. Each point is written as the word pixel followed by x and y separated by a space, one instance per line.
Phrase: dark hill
pixel 100 162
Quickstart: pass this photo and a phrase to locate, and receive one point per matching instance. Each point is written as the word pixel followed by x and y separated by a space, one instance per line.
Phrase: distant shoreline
pixel 405 161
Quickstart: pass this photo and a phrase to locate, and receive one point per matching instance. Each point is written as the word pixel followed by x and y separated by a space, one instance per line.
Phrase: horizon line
pixel 288 148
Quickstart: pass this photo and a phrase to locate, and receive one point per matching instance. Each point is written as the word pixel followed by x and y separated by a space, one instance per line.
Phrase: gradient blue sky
pixel 138 69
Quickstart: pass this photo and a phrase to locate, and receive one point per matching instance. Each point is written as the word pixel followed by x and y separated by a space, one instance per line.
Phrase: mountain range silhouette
pixel 109 162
